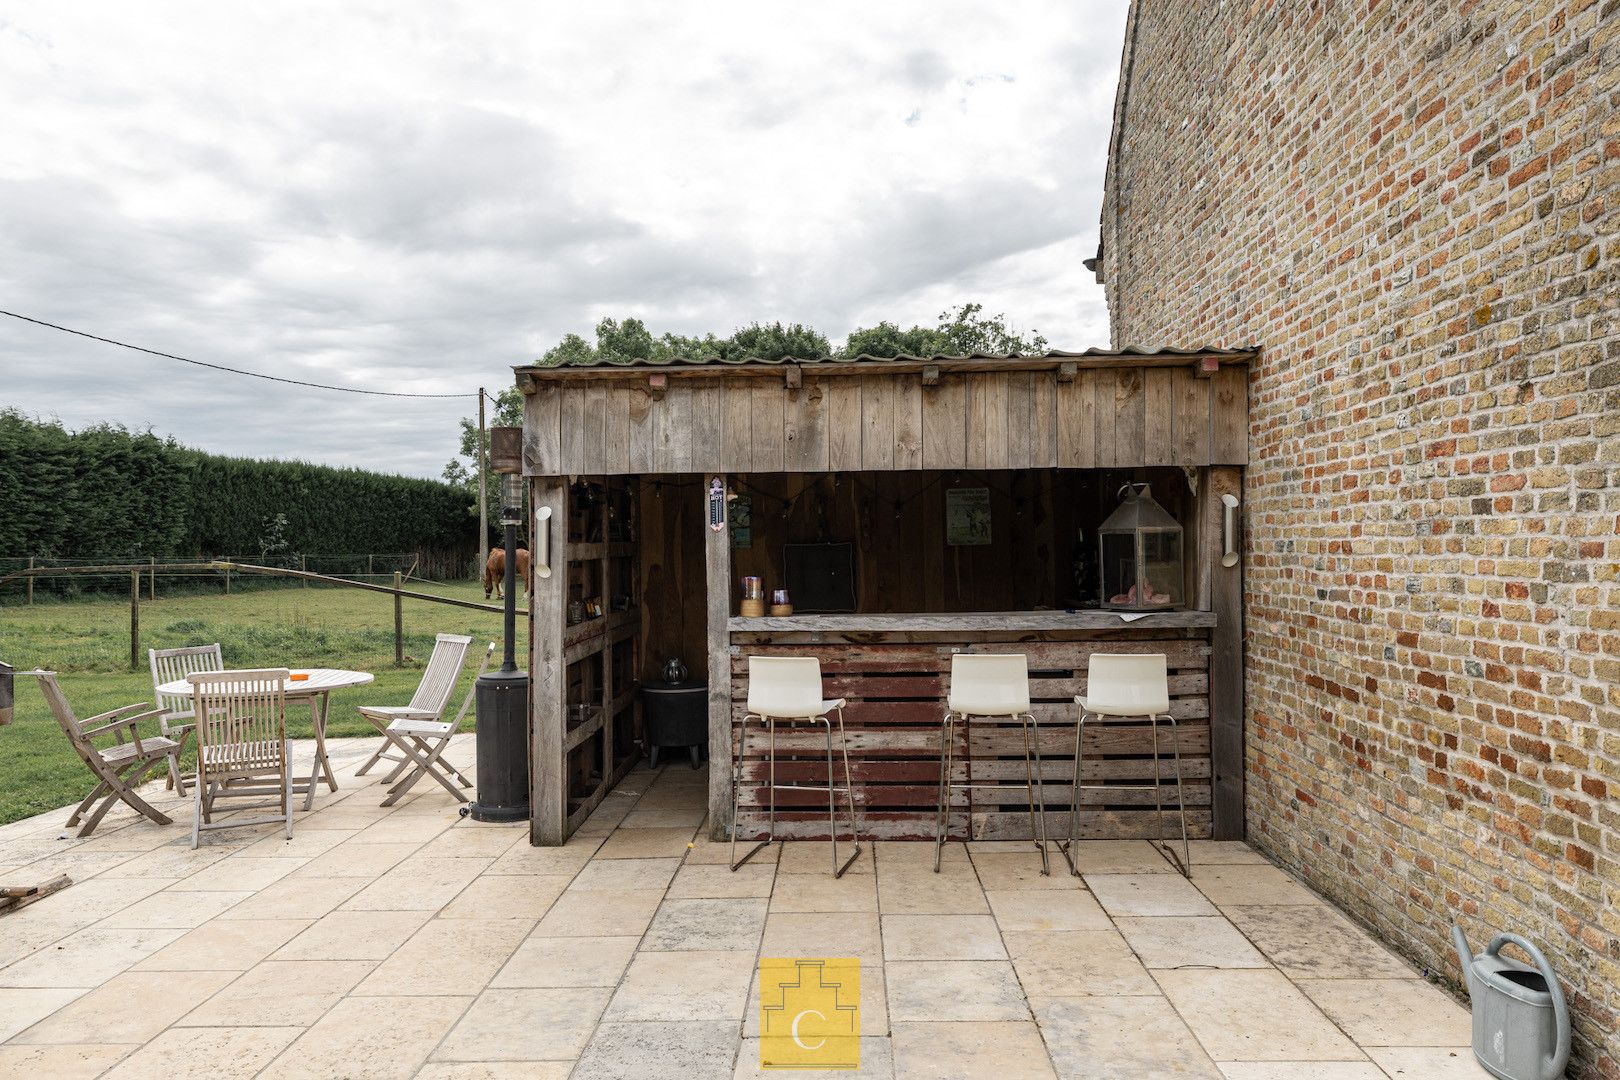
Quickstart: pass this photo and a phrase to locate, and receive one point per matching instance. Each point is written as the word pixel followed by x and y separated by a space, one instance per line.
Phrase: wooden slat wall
pixel 1105 417
pixel 896 700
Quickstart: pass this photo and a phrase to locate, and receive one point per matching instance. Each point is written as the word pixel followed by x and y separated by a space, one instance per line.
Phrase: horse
pixel 495 571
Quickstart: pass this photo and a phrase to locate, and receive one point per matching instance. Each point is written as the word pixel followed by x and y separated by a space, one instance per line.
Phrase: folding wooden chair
pixel 241 747
pixel 422 741
pixel 428 703
pixel 119 768
pixel 172 665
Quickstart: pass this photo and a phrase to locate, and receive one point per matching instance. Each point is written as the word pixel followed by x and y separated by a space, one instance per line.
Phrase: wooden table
pixel 316 690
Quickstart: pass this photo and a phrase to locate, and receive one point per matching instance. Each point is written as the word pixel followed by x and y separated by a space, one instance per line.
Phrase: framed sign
pixel 742 522
pixel 967 517
pixel 717 504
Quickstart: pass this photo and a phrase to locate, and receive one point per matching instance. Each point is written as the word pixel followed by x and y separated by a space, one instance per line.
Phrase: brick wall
pixel 1414 209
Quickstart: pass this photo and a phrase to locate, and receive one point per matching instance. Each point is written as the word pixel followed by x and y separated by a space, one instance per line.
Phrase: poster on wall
pixel 742 522
pixel 967 517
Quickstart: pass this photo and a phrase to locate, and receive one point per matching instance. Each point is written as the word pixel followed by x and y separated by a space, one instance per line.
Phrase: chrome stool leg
pixel 1184 864
pixel 1034 794
pixel 736 791
pixel 849 794
pixel 947 746
pixel 1074 797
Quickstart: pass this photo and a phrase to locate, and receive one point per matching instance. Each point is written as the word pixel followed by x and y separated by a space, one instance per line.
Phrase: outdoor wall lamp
pixel 512 499
pixel 540 557
pixel 1229 553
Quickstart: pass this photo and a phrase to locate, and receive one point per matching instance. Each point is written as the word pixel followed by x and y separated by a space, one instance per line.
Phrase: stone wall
pixel 1414 209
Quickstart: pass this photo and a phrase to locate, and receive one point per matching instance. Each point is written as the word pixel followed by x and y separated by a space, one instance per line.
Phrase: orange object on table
pixel 299 676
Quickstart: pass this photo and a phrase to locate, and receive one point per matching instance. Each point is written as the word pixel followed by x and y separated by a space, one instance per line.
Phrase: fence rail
pixel 151 569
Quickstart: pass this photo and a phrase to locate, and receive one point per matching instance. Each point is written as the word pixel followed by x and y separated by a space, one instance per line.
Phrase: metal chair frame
pixel 772 786
pixel 1159 843
pixel 1032 769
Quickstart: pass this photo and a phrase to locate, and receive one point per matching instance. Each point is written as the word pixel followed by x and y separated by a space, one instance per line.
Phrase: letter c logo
pixel 800 1043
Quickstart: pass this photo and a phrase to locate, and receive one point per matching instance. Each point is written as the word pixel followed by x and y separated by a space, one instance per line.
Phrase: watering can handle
pixel 1555 1066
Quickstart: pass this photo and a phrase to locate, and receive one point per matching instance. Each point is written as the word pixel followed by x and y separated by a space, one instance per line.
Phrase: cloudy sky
pixel 415 197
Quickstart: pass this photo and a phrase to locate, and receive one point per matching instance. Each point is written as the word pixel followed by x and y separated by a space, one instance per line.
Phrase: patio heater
pixel 503 696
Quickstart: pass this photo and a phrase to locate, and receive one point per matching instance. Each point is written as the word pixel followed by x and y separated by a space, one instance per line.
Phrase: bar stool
pixel 991 685
pixel 1135 686
pixel 788 688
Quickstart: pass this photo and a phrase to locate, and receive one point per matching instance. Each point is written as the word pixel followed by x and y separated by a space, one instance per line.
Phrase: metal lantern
pixel 511 499
pixel 1140 546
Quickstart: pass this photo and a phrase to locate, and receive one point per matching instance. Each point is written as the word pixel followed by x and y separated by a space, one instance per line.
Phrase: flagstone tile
pixel 447 957
pixel 129 1008
pixel 293 898
pixel 477 840
pixel 1218 852
pixel 1176 941
pixel 954 990
pixel 238 873
pixel 1148 895
pixel 1038 910
pixel 365 1037
pixel 823 892
pixel 823 934
pixel 707 925
pixel 1316 941
pixel 1243 884
pixel 971 1050
pixel 22 1007
pixel 546 861
pixel 1392 1012
pixel 529 1024
pixel 713 882
pixel 647 843
pixel 561 961
pixel 1120 1038
pixel 601 914
pixel 679 986
pixel 280 993
pixel 420 883
pixel 1010 870
pixel 1301 1070
pixel 1427 1062
pixel 613 875
pixel 508 896
pixel 1254 1015
pixel 658 1051
pixel 87 958
pixel 225 945
pixel 352 858
pixel 914 889
pixel 941 937
pixel 877 1061
pixel 814 857
pixel 78 1062
pixel 1119 857
pixel 305 844
pixel 206 1054
pixel 354 935
pixel 1078 962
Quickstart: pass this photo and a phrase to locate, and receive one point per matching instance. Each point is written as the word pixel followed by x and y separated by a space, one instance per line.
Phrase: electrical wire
pixel 222 367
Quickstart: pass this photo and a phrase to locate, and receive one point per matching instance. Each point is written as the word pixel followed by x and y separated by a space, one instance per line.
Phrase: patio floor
pixel 410 942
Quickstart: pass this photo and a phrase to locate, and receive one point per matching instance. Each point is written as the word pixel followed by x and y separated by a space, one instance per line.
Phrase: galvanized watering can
pixel 1521 1024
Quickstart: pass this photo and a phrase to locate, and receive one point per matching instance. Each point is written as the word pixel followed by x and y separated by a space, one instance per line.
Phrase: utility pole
pixel 483 506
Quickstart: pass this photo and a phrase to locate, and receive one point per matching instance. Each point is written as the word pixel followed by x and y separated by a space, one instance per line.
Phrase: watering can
pixel 1521 1024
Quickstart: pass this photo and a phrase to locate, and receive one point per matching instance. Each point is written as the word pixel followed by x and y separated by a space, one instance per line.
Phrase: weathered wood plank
pixel 1158 417
pixel 717 579
pixel 615 455
pixel 1105 419
pixel 1077 422
pixel 674 453
pixel 542 432
pixel 944 424
pixel 995 620
pixel 844 425
pixel 1020 419
pixel 908 429
pixel 572 426
pixel 769 411
pixel 1229 416
pixel 593 426
pixel 806 426
pixel 1043 447
pixel 1190 404
pixel 1226 671
pixel 645 414
pixel 737 435
pixel 1130 420
pixel 877 424
pixel 707 423
pixel 548 784
pixel 994 389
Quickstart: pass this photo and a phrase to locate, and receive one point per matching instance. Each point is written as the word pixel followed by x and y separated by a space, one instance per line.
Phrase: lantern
pixel 1140 546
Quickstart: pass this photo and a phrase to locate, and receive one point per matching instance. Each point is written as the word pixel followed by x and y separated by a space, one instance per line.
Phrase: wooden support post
pixel 134 620
pixel 303 567
pixel 30 582
pixel 151 582
pixel 227 581
pixel 1224 587
pixel 548 678
pixel 717 578
pixel 399 622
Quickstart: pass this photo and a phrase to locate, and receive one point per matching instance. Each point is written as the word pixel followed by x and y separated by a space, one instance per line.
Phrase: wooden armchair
pixel 119 768
pixel 172 665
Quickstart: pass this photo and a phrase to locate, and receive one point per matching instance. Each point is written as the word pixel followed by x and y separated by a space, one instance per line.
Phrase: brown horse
pixel 495 571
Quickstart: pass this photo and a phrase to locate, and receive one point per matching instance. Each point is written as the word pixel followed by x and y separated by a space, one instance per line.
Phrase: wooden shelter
pixel 924 506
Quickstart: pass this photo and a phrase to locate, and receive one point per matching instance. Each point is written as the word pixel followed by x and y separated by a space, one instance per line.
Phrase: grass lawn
pixel 87 643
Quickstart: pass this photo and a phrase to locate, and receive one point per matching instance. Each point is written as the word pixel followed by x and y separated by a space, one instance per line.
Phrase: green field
pixel 87 642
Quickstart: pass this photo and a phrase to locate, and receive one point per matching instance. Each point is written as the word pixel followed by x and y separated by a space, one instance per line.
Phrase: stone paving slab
pixel 406 941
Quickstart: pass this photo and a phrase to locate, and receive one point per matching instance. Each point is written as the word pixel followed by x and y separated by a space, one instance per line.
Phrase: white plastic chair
pixel 1131 686
pixel 788 688
pixel 176 721
pixel 990 685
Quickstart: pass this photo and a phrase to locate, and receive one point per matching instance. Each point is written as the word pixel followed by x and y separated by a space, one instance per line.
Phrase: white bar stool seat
pixel 788 689
pixel 994 685
pixel 1130 686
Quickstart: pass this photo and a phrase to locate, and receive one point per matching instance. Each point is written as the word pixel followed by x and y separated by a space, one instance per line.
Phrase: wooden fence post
pixel 151 582
pixel 30 582
pixel 303 566
pixel 135 620
pixel 227 581
pixel 399 623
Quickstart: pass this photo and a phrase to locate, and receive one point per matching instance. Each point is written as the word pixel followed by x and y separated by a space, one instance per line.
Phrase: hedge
pixel 107 492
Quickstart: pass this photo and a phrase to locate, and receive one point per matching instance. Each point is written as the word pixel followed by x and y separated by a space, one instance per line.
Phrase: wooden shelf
pixel 976 621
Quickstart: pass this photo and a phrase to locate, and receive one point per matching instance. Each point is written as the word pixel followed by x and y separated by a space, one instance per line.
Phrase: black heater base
pixel 503 747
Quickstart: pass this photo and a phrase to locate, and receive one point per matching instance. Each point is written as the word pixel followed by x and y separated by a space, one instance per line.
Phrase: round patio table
pixel 316 690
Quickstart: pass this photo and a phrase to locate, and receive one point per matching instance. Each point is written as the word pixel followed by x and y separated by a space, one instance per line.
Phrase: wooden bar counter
pixel 894 671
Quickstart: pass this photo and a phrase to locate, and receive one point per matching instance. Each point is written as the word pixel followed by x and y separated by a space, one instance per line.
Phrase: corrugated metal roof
pixel 1053 354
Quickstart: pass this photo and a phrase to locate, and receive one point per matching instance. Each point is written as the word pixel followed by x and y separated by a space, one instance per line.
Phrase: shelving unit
pixel 601 721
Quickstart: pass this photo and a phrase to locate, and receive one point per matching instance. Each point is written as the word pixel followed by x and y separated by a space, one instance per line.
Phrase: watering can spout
pixel 1464 956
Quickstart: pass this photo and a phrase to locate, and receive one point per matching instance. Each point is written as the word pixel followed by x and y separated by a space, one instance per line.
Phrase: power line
pixel 222 367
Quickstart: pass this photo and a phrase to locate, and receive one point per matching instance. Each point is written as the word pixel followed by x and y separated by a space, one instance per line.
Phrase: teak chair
pixel 172 665
pixel 423 744
pixel 241 746
pixel 119 768
pixel 426 705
